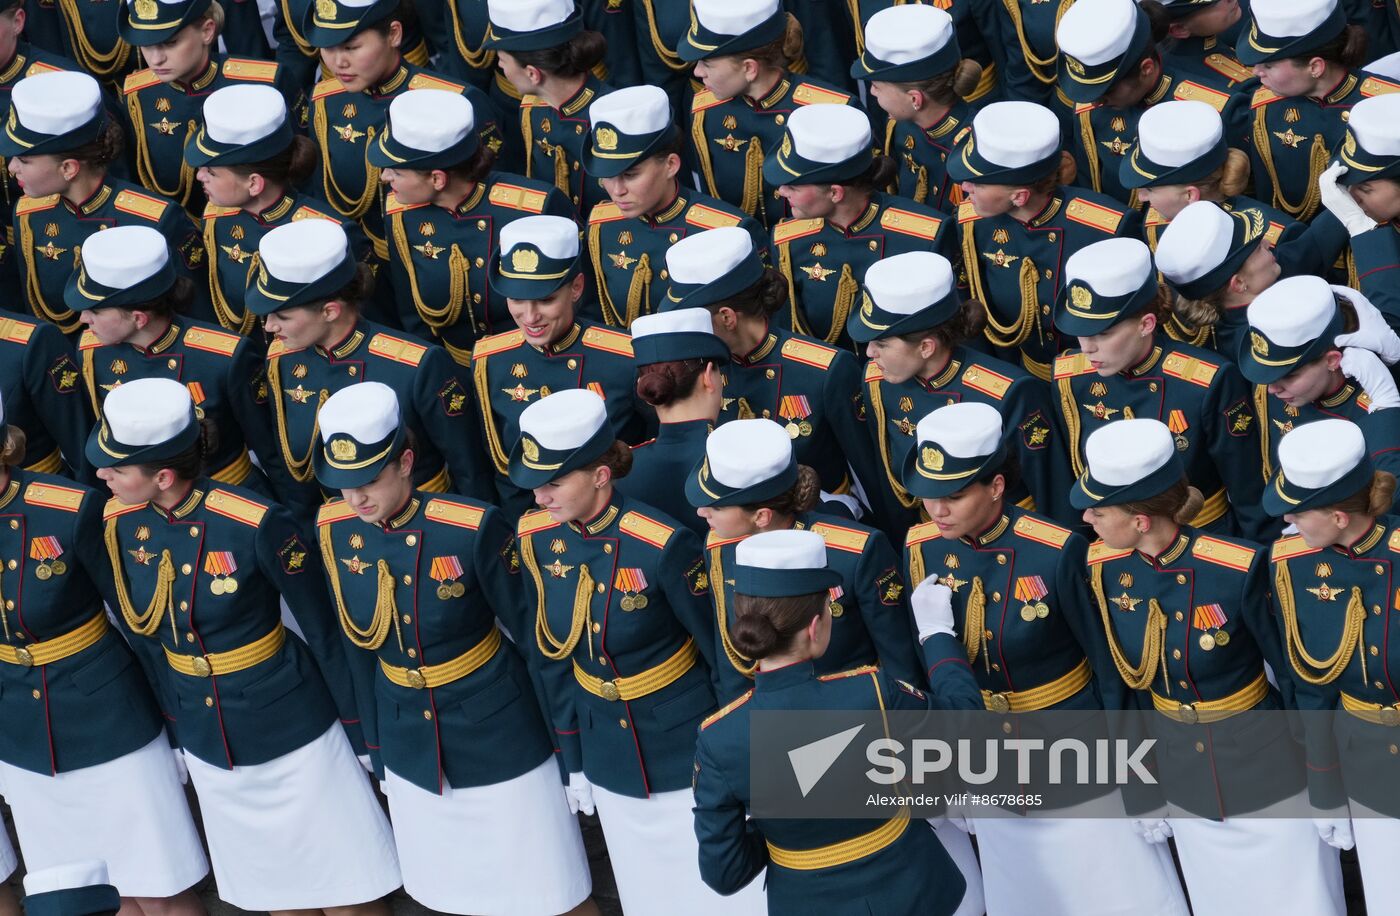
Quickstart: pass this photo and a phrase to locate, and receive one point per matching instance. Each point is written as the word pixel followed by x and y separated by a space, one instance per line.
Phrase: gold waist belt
pixel 221 663
pixel 447 672
pixel 639 685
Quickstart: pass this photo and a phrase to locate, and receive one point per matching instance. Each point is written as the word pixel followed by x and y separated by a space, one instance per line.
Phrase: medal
pixel 628 603
pixel 47 551
pixel 446 571
pixel 1210 617
pixel 804 428
pixel 1042 610
pixel 1030 589
pixel 1207 641
pixel 221 565
pixel 795 409
pixel 833 594
pixel 631 582
pixel 793 430
pixel 1177 423
pixel 1222 638
pixel 1028 613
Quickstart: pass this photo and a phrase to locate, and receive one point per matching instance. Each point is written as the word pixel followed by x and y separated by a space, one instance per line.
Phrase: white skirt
pixel 8 860
pixel 303 831
pixel 130 812
pixel 507 849
pixel 1377 850
pixel 1066 866
pixel 1258 865
pixel 656 858
pixel 959 849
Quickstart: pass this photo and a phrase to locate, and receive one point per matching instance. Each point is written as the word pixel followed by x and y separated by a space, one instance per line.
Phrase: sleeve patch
pixel 696 579
pixel 292 555
pixel 890 586
pixel 510 555
pixel 63 374
pixel 1239 418
pixel 452 397
pixel 1035 431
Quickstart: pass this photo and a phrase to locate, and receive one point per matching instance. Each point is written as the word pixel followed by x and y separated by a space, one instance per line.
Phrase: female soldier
pixel 679 362
pixel 454 770
pixel 810 388
pixel 1111 69
pixel 1215 262
pixel 250 163
pixel 1040 655
pixel 1180 157
pixel 1187 623
pixel 743 52
pixel 914 327
pixel 308 289
pixel 360 42
pixel 748 481
pixel 1201 40
pixel 128 296
pixel 547 55
pixel 538 270
pixel 978 27
pixel 84 761
pixel 635 151
pixel 292 823
pixel 1125 367
pixel 1306 56
pixel 784 620
pixel 1022 219
pixel 927 95
pixel 622 625
pixel 1328 487
pixel 825 171
pixel 179 42
pixel 444 218
pixel 41 386
pixel 59 145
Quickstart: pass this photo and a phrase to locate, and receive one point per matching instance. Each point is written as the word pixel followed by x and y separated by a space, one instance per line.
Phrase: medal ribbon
pixel 1176 422
pixel 220 563
pixel 794 407
pixel 446 568
pixel 1030 588
pixel 1208 617
pixel 630 580
pixel 45 548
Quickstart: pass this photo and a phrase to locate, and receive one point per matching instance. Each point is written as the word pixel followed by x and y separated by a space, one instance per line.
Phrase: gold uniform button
pixel 1375 650
pixel 1394 749
pixel 573 364
pixel 1379 685
pixel 171 363
pixel 1200 747
pixel 987 634
pixel 1180 616
pixel 428 714
pixel 597 628
pixel 873 245
pixel 1181 684
pixel 189 637
pixel 14 523
pixel 476 298
pixel 407 580
pixel 480 224
pixel 407 618
pixel 1151 386
pixel 996 596
pixel 184 605
pixel 9 604
pixel 607 548
pixel 769 374
pixel 208 701
pixel 36 694
pixel 411 540
pixel 1045 310
pixel 601 588
pixel 1001 559
pixel 1380 570
pixel 194 531
pixel 412 653
pixel 779 120
pixel 353 370
pixel 1006 728
pixel 1050 237
pixel 996 667
pixel 1176 653
pixel 479 262
pixel 1180 578
pixel 186 569
pixel 622 722
pixel 12 564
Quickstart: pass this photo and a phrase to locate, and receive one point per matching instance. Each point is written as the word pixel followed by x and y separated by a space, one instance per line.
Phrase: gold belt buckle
pixel 610 691
pixel 998 702
pixel 416 680
pixel 201 665
pixel 24 657
pixel 1188 714
pixel 1390 716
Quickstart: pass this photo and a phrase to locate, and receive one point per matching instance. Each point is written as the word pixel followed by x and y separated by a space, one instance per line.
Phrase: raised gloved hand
pixel 1335 831
pixel 1373 376
pixel 579 793
pixel 1374 333
pixel 1152 829
pixel 932 603
pixel 1339 201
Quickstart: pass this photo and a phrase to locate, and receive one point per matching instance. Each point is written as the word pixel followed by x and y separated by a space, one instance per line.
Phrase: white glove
pixel 932 602
pixel 1373 376
pixel 579 793
pixel 1335 831
pixel 1154 830
pixel 1340 202
pixel 1290 529
pixel 845 499
pixel 1374 333
pixel 181 770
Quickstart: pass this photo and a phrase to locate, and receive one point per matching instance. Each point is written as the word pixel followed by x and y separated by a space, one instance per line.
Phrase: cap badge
pixel 525 260
pixel 1349 144
pixel 343 450
pixel 1080 297
pixel 607 139
pixel 1258 344
pixel 867 308
pixel 932 458
pixel 1075 66
pixel 325 9
pixel 146 9
pixel 786 149
pixel 530 449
